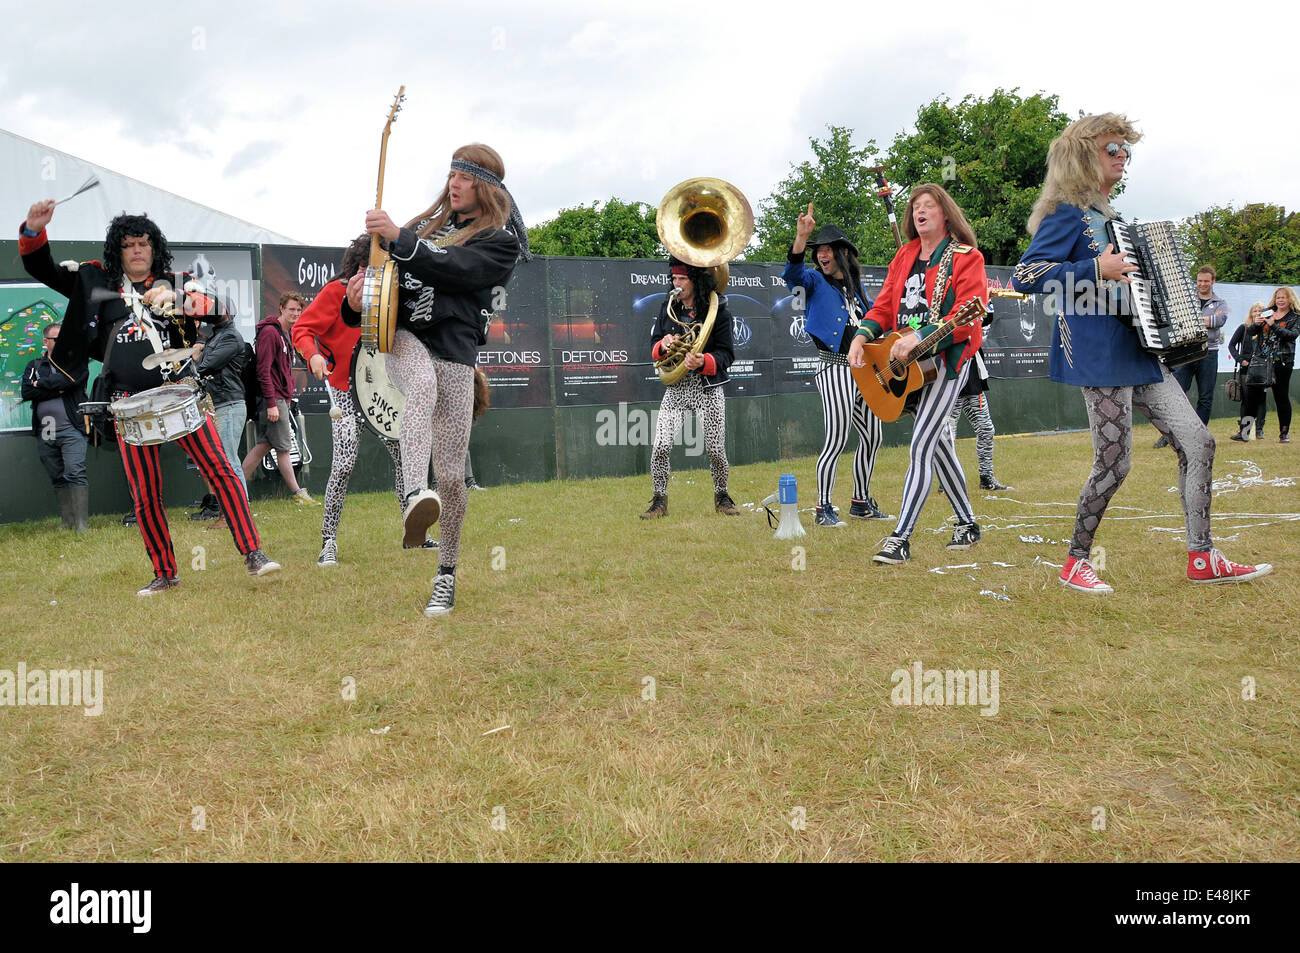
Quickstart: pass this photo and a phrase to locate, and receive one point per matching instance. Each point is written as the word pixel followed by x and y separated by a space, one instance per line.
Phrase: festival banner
pixel 516 358
pixel 306 269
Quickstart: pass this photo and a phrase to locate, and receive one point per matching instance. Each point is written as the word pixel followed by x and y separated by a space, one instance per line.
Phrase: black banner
pixel 574 332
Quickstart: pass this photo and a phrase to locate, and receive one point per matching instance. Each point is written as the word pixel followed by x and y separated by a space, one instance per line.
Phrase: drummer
pixel 121 310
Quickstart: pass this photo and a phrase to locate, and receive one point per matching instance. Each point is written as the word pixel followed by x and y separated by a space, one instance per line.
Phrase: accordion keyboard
pixel 1162 295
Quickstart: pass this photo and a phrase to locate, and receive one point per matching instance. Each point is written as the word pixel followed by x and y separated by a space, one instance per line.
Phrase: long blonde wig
pixel 494 205
pixel 1074 170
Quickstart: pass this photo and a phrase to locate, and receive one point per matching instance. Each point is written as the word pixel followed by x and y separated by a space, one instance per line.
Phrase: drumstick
pixel 335 413
pixel 90 183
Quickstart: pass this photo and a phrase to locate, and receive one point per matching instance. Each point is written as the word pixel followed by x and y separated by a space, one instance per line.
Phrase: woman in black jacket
pixel 220 365
pixel 454 261
pixel 1283 325
pixel 1245 349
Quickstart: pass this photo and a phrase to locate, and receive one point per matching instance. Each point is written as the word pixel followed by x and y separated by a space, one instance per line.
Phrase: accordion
pixel 1162 296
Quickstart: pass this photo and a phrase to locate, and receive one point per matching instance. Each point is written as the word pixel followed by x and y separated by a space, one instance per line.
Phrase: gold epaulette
pixel 959 249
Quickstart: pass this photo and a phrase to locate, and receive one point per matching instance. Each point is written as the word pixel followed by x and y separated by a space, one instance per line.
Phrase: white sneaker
pixel 421 512
pixel 329 553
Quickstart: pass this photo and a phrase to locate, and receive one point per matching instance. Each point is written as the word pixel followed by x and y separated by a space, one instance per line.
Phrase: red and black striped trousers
pixel 144 477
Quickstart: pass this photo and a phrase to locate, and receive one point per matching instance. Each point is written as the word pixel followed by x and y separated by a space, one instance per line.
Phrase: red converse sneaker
pixel 1078 574
pixel 1215 567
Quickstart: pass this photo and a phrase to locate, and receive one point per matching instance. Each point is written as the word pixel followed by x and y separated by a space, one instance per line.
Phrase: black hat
pixel 832 235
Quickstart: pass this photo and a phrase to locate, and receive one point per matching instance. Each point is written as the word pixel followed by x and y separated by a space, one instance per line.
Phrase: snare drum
pixel 158 415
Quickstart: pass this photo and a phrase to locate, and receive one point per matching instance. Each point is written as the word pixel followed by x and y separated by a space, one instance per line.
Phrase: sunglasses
pixel 1113 148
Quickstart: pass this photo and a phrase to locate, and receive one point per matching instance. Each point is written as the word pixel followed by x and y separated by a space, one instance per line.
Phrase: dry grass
pixel 772 686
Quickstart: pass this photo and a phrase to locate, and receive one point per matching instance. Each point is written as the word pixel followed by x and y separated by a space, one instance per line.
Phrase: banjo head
pixel 374 393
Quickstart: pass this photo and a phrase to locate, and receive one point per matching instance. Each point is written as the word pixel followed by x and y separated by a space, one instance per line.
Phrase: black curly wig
pixel 356 256
pixel 701 280
pixel 135 226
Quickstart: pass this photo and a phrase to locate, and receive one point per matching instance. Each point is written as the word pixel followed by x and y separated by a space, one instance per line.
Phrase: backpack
pixel 248 375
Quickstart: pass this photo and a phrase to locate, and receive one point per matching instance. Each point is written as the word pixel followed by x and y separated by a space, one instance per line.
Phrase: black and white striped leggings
pixel 842 403
pixel 976 409
pixel 932 453
pixel 347 440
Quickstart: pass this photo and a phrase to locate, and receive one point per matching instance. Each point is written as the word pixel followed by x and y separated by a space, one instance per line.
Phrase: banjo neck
pixel 377 255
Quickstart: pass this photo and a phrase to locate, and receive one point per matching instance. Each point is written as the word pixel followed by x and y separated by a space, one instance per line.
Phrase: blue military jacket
pixel 827 317
pixel 1091 345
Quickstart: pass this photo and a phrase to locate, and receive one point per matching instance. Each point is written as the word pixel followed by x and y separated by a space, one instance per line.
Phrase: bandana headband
pixel 679 270
pixel 491 178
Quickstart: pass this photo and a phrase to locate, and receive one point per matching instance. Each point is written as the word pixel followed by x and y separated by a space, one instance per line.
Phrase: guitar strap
pixel 942 280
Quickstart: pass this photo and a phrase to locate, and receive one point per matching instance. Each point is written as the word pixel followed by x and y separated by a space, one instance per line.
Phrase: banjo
pixel 379 293
pixel 373 393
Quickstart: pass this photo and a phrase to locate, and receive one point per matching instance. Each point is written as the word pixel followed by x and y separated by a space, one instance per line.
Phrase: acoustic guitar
pixel 886 384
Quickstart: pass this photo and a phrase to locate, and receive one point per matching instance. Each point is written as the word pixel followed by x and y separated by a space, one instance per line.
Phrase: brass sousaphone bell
pixel 704 222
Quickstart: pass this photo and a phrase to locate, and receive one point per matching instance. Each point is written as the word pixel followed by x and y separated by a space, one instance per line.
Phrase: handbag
pixel 1259 373
pixel 1232 387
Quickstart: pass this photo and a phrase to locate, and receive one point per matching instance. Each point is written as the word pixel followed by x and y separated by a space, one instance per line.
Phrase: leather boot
pixel 658 507
pixel 81 507
pixel 67 509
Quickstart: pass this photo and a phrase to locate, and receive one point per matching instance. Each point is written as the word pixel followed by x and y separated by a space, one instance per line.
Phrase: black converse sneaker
pixel 893 550
pixel 159 584
pixel 965 536
pixel 866 510
pixel 444 596
pixel 990 482
pixel 329 553
pixel 258 564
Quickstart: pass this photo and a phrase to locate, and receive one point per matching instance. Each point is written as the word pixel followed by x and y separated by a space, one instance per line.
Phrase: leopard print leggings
pixel 347 439
pixel 680 399
pixel 1110 414
pixel 436 421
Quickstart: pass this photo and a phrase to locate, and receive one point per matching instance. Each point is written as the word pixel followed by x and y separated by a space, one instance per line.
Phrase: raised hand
pixel 39 215
pixel 806 224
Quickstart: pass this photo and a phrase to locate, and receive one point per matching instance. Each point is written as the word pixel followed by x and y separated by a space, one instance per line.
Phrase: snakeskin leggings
pixel 1110 414
pixel 680 399
pixel 347 440
pixel 439 409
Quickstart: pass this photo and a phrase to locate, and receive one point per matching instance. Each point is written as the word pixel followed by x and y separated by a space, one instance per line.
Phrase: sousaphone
pixel 704 222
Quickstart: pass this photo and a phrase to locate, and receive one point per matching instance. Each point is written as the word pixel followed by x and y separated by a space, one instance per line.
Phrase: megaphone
pixel 787 494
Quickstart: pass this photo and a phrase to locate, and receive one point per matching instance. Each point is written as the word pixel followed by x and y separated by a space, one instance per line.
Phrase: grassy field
pixel 674 690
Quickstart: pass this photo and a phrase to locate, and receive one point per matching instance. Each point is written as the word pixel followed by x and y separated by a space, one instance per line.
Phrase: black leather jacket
pixel 220 365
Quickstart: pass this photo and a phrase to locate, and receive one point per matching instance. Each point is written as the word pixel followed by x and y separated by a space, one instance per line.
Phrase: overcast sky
pixel 272 111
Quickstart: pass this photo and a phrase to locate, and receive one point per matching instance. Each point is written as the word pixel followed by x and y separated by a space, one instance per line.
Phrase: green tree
pixel 1259 243
pixel 991 156
pixel 612 229
pixel 839 183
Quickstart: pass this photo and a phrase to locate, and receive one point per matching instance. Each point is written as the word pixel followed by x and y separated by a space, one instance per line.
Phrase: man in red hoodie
pixel 275 384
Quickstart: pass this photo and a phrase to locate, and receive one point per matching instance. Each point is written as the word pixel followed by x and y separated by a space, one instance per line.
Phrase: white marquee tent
pixel 29 170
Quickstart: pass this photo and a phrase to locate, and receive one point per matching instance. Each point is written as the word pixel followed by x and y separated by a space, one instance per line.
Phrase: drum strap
pixel 141 318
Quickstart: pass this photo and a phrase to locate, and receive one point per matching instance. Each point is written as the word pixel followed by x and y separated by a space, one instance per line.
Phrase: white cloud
pixel 276 118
